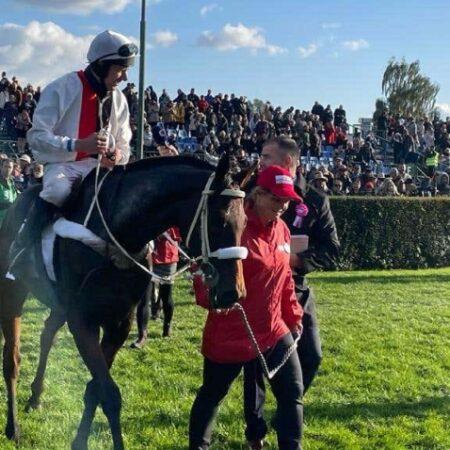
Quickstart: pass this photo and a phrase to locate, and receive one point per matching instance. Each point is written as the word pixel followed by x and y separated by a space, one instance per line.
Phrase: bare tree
pixel 408 92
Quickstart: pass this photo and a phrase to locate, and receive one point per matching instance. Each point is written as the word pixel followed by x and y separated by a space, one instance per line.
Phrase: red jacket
pixel 203 105
pixel 165 252
pixel 271 305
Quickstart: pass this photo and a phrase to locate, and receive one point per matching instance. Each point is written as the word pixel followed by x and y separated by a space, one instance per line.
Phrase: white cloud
pixel 204 10
pixel 82 7
pixel 331 25
pixel 306 52
pixel 275 50
pixel 355 45
pixel 444 109
pixel 40 52
pixel 164 38
pixel 233 37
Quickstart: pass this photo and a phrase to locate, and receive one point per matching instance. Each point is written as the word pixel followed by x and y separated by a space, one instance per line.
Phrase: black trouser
pixel 310 355
pixel 287 387
pixel 164 297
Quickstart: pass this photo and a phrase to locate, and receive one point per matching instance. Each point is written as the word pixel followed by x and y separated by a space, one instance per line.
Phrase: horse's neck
pixel 149 202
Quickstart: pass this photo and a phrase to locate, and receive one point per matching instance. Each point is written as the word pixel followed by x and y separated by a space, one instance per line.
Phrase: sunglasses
pixel 125 51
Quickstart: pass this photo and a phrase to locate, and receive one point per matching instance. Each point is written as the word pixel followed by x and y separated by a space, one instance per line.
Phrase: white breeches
pixel 60 177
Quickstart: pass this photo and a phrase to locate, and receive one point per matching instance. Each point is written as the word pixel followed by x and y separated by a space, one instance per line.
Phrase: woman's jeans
pixel 287 387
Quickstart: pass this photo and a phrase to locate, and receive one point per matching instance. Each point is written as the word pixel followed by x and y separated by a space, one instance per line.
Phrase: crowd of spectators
pixel 336 157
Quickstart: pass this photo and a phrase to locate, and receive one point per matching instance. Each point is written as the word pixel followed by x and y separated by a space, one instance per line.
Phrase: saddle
pixel 39 273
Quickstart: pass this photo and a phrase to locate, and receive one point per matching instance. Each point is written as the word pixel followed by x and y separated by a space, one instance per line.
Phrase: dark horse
pixel 139 201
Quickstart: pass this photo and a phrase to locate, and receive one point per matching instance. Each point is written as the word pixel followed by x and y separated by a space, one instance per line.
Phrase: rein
pixel 224 253
pixel 201 212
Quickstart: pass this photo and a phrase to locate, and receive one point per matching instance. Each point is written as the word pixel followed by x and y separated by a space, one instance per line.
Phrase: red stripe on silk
pixel 88 113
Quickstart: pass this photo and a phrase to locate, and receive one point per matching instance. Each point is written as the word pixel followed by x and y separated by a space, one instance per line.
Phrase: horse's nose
pixel 228 298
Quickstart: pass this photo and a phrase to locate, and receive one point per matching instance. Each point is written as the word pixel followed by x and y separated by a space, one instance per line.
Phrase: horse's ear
pixel 244 176
pixel 223 167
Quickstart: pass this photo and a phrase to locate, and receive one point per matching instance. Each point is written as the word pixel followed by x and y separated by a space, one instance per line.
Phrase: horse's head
pixel 225 220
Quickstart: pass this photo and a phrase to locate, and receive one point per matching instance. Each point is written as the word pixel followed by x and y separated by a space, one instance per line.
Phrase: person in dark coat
pixel 322 253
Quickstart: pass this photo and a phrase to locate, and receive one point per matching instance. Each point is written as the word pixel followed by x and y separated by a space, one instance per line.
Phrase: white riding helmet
pixel 112 46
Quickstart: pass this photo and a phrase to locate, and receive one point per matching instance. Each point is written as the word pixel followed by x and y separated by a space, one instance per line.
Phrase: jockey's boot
pixel 166 329
pixel 39 216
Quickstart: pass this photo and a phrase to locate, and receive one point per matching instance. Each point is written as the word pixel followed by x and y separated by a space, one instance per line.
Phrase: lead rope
pixel 203 211
pixel 268 373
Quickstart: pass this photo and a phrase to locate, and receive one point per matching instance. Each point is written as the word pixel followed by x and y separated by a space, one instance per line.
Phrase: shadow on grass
pixel 381 410
pixel 381 278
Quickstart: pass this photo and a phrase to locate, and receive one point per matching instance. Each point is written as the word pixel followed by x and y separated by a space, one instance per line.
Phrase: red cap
pixel 279 182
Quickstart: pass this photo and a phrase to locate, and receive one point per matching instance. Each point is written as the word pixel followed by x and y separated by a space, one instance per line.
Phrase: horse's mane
pixel 165 161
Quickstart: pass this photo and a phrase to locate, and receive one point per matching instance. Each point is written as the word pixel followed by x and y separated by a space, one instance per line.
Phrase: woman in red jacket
pixel 272 311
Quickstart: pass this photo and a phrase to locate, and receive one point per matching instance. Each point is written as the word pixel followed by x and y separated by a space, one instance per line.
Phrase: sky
pixel 290 52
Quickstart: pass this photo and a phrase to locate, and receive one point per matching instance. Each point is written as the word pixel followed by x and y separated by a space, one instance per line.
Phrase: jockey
pixel 79 116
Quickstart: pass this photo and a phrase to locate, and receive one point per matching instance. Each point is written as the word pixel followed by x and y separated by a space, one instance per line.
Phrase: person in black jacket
pixel 322 253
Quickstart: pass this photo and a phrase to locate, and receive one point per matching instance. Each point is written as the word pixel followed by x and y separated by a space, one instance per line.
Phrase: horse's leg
pixel 102 388
pixel 12 299
pixel 53 324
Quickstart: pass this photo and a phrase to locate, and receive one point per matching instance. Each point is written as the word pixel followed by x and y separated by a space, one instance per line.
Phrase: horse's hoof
pixel 138 344
pixel 32 404
pixel 12 432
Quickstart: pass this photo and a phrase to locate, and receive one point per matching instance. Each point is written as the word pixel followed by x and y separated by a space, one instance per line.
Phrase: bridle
pixel 211 276
pixel 208 271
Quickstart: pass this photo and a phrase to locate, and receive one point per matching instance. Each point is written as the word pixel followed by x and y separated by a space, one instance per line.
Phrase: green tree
pixel 408 92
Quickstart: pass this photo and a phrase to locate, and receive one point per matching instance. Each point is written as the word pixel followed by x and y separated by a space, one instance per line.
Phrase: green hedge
pixel 383 232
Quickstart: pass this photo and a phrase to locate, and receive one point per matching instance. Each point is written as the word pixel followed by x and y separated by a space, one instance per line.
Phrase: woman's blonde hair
pixel 250 199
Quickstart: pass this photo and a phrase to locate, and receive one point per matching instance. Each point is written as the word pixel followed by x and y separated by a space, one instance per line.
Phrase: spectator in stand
pixel 152 111
pixel 8 191
pixel 368 188
pixel 181 96
pixel 338 188
pixel 180 114
pixel 426 188
pixel 37 173
pixel 4 96
pixel 10 113
pixel 330 134
pixel 193 97
pixel 317 109
pixel 164 99
pixel 29 105
pixel 320 182
pixel 387 188
pixel 443 186
pixel 355 188
pixel 339 116
pixel 431 161
pixel 168 114
pixel 151 94
pixel 365 154
pixel 209 97
pixel 23 124
pixel 410 188
pixel 202 105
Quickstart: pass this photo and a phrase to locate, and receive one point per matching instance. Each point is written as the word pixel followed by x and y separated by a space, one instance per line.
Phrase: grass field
pixel 384 382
